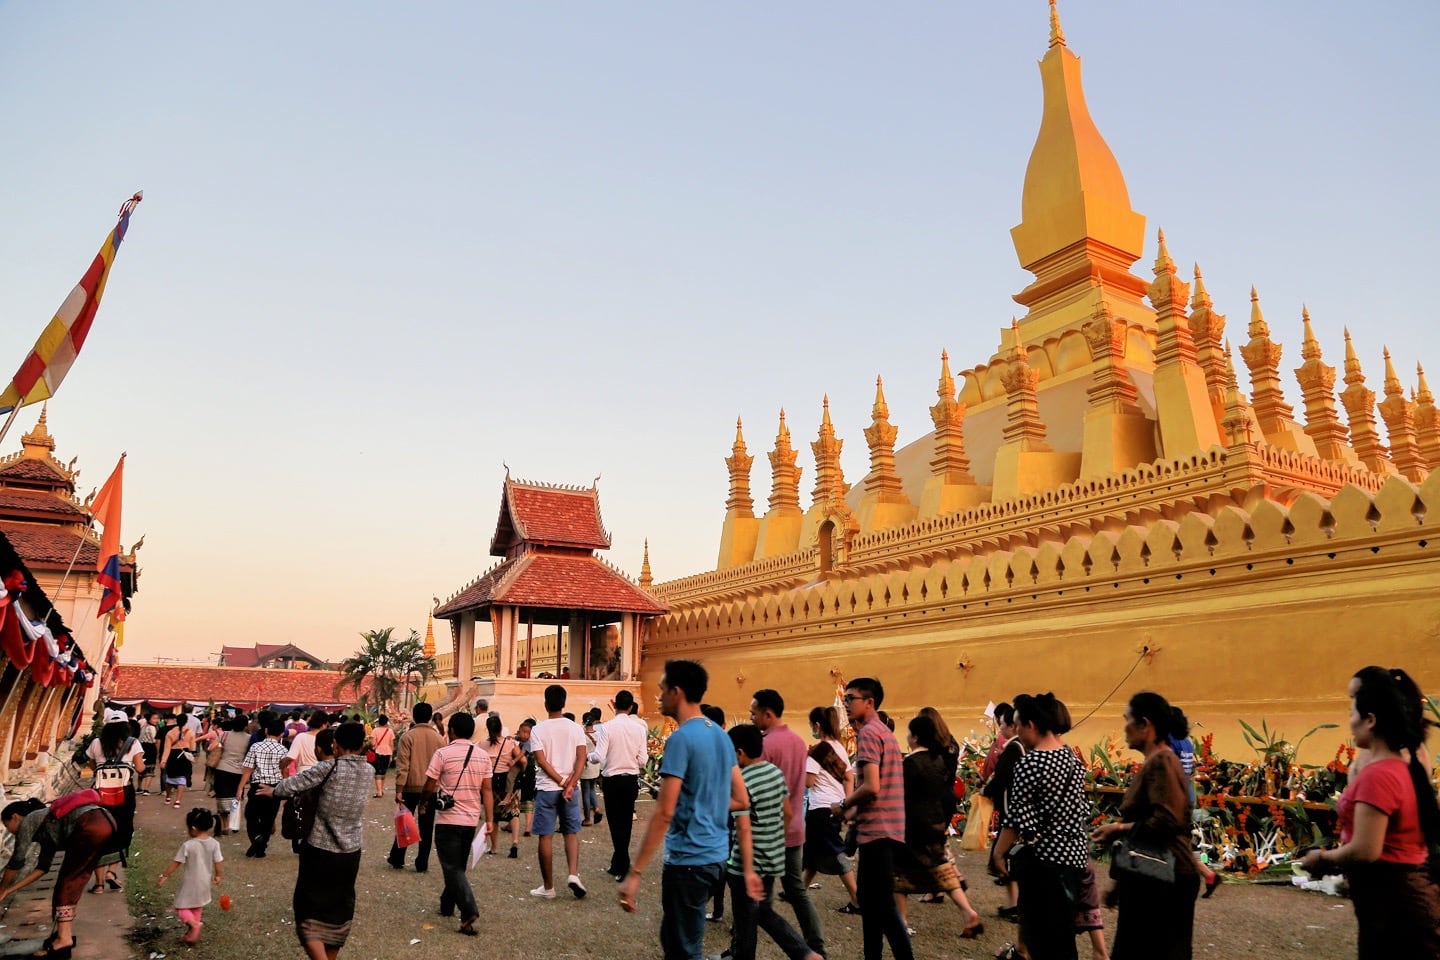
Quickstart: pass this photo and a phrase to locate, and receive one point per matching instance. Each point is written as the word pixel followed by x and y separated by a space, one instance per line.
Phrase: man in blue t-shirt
pixel 700 785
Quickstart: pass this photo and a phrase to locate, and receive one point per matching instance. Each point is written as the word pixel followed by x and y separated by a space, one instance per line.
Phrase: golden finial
pixel 1310 348
pixel 1200 298
pixel 1017 344
pixel 645 577
pixel 784 430
pixel 881 410
pixel 1392 382
pixel 825 417
pixel 1423 394
pixel 429 648
pixel 1057 35
pixel 946 390
pixel 1163 263
pixel 1230 379
pixel 1353 373
pixel 1258 326
pixel 739 433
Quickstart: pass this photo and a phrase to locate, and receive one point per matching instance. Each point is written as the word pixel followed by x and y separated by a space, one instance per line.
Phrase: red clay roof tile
pixel 29 468
pixel 552 516
pixel 235 685
pixel 43 544
pixel 555 581
pixel 37 501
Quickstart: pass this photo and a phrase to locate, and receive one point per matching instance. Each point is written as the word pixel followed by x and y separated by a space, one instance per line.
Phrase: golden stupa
pixel 1098 510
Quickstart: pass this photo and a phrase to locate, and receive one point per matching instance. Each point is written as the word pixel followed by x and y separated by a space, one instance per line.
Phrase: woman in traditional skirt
pixel 330 856
pixel 114 746
pixel 1388 820
pixel 177 762
pixel 922 866
pixel 84 832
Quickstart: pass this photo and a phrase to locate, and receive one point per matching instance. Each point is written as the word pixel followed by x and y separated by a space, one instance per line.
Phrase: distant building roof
pixel 262 653
pixel 241 687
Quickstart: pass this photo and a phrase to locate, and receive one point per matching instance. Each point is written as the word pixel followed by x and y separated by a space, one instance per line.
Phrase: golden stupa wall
pixel 1099 509
pixel 1249 613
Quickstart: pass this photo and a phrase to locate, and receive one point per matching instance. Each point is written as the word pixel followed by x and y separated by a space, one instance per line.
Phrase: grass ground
pixel 396 915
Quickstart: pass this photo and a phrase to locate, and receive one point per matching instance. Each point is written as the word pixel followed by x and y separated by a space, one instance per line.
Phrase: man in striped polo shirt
pixel 769 815
pixel 877 805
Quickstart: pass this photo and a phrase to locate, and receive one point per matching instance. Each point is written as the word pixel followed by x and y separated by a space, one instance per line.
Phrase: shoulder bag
pixel 443 800
pixel 1129 859
pixel 297 819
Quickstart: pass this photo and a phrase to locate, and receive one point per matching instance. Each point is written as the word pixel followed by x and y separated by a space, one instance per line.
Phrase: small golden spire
pixel 946 390
pixel 784 430
pixel 1017 345
pixel 739 433
pixel 38 442
pixel 1353 373
pixel 1393 386
pixel 1422 393
pixel 646 579
pixel 1200 297
pixel 1057 35
pixel 1310 348
pixel 429 648
pixel 881 410
pixel 825 417
pixel 1231 381
pixel 1258 326
pixel 1163 263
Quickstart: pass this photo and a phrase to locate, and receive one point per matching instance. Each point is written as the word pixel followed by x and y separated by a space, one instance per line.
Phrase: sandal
pixel 974 930
pixel 111 882
pixel 849 908
pixel 467 927
pixel 98 888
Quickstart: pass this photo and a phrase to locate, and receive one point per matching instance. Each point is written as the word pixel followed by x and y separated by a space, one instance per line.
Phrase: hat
pixel 115 716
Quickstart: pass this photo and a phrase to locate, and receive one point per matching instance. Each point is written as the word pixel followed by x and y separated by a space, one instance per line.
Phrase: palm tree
pixel 412 663
pixel 386 663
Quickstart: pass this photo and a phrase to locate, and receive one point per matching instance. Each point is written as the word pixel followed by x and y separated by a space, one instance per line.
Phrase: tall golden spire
pixel 646 579
pixel 1360 405
pixel 429 648
pixel 950 462
pixel 1399 415
pixel 829 480
pixel 1427 422
pixel 738 463
pixel 1022 418
pixel 1262 357
pixel 1076 220
pixel 1184 410
pixel 1317 387
pixel 1111 387
pixel 882 480
pixel 784 474
pixel 1207 328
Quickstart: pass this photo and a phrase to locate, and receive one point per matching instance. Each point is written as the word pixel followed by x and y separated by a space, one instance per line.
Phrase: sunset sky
pixel 386 249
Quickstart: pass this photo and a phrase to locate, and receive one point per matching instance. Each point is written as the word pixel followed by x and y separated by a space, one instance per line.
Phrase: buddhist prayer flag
pixel 39 376
pixel 106 511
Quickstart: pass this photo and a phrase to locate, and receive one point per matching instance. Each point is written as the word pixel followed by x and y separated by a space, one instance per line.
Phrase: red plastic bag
pixel 407 832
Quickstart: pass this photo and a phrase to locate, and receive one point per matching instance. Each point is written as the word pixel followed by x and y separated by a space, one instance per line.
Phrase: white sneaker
pixel 548 894
pixel 576 887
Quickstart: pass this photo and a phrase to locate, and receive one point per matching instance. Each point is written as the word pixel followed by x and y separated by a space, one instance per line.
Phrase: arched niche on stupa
pixel 1072 352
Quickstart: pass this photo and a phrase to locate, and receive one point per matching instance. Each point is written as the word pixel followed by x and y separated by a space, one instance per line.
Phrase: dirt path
pixel 396 916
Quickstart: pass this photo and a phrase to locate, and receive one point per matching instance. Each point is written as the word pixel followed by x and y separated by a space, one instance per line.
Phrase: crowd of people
pixel 752 813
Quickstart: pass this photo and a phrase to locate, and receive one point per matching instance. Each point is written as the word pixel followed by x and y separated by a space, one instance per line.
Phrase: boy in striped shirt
pixel 769 815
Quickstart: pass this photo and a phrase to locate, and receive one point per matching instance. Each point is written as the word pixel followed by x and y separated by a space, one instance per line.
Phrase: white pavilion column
pixel 628 646
pixel 465 661
pixel 505 644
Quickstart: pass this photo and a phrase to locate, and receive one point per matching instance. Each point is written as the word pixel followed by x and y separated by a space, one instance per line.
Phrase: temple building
pixel 592 618
pixel 1095 503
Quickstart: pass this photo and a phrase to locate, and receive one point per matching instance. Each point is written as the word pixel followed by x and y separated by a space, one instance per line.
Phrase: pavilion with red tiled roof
pixel 272 656
pixel 164 686
pixel 549 575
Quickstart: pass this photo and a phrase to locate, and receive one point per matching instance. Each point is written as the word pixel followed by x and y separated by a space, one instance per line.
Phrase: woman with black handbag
pixel 1045 819
pixel 1156 880
pixel 324 900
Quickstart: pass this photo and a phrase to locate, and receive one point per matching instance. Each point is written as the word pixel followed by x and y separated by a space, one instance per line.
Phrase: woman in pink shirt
pixel 1388 819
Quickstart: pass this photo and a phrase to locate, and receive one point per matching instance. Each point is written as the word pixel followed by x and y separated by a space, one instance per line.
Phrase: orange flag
pixel 106 510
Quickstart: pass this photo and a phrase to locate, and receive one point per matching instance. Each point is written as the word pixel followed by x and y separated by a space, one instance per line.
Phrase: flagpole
pixel 14 412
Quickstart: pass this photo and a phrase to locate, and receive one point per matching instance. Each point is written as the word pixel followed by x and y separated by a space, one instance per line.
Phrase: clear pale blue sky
pixel 385 248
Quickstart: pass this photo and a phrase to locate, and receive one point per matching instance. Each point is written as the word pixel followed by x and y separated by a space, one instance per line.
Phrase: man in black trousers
pixel 622 752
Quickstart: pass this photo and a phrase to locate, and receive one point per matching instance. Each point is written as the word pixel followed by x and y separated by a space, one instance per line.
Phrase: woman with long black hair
pixel 115 747
pixel 1046 819
pixel 1388 820
pixel 84 831
pixel 1157 918
pixel 829 778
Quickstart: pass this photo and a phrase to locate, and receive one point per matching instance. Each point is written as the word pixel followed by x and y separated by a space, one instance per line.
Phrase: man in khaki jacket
pixel 412 756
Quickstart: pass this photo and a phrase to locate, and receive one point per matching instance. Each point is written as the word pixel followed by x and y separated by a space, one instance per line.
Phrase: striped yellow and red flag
pixel 39 376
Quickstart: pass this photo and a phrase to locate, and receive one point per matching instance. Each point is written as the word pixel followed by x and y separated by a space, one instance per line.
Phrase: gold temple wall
pixel 1251 614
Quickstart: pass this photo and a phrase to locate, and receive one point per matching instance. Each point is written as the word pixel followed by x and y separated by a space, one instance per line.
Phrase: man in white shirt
pixel 301 755
pixel 623 751
pixel 559 748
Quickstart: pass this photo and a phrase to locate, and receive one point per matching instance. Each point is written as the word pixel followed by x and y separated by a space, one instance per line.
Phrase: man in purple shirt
pixel 785 749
